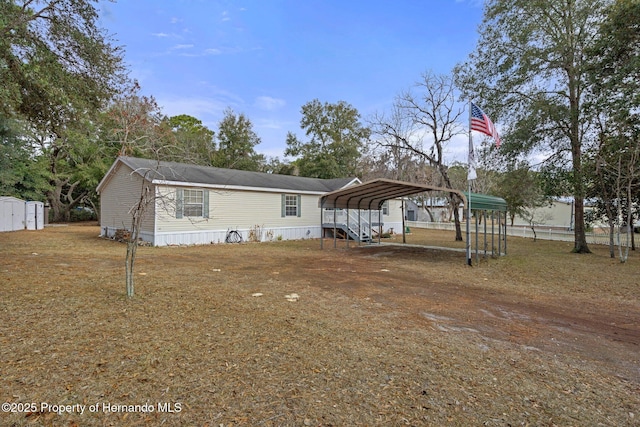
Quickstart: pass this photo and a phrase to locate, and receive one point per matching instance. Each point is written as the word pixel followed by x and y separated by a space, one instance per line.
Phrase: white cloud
pixel 268 103
pixel 229 98
pixel 163 35
pixel 269 124
pixel 182 46
pixel 205 109
pixel 225 16
pixel 185 50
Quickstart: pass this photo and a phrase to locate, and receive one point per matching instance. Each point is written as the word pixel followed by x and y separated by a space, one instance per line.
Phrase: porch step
pixel 342 231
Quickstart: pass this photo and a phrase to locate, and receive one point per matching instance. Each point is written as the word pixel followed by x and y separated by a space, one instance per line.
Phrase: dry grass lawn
pixel 378 336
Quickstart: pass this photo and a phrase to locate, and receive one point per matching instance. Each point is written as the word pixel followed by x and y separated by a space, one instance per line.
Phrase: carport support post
pixel 322 224
pixel 484 218
pixel 404 234
pixel 335 229
pixel 347 232
pixel 359 227
pixel 493 245
pixel 476 237
pixel 500 233
pixel 379 225
pixel 505 232
pixel 370 227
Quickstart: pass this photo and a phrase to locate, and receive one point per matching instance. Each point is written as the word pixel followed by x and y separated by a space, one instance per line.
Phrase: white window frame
pixel 193 203
pixel 291 205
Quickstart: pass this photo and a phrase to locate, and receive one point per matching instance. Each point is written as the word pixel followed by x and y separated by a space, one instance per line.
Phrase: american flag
pixel 482 123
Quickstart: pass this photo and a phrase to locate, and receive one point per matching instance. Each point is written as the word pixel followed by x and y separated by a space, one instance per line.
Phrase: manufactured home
pixel 192 204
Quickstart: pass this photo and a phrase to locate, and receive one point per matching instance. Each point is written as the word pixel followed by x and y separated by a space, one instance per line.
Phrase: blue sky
pixel 268 58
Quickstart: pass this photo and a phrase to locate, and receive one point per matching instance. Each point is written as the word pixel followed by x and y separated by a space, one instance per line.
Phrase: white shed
pixel 12 214
pixel 34 215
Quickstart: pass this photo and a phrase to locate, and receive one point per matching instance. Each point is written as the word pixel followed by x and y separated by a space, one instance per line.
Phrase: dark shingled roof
pixel 206 175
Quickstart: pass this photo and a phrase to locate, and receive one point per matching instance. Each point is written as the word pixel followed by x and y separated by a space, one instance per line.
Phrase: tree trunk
pixel 612 252
pixel 95 208
pixel 132 245
pixel 61 211
pixel 456 217
pixel 580 244
pixel 137 214
pixel 612 230
pixel 455 202
pixel 580 238
pixel 428 211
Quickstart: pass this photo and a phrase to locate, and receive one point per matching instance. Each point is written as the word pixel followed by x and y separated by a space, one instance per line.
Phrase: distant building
pixel 431 209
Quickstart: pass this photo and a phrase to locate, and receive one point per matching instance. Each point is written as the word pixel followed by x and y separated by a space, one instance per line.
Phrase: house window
pixel 291 205
pixel 385 208
pixel 193 202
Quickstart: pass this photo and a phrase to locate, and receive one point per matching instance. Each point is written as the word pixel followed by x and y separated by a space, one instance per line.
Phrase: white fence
pixel 598 237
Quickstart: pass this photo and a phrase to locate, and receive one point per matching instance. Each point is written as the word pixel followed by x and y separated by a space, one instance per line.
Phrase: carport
pixel 486 208
pixel 371 196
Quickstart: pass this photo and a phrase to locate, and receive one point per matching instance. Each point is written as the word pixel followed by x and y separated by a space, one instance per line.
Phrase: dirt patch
pixel 284 333
pixel 595 331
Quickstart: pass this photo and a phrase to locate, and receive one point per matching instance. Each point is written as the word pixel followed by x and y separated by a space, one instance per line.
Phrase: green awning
pixel 484 202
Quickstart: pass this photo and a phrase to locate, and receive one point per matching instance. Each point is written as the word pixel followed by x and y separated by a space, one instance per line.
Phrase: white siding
pixel 254 213
pixel 393 219
pixel 236 210
pixel 559 214
pixel 118 195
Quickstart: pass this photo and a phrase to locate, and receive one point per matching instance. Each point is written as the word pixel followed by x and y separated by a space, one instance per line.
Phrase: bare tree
pixel 616 183
pixel 149 197
pixel 137 212
pixel 393 163
pixel 422 121
pixel 136 125
pixel 535 218
pixel 624 169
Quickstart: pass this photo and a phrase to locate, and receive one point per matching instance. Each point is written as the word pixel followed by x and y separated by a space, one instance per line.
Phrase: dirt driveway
pixel 392 276
pixel 590 330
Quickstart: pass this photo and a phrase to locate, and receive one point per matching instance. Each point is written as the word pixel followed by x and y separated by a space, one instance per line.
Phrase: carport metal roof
pixel 372 194
pixel 485 202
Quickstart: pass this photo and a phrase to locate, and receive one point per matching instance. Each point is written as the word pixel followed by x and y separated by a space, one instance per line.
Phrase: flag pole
pixel 469 191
